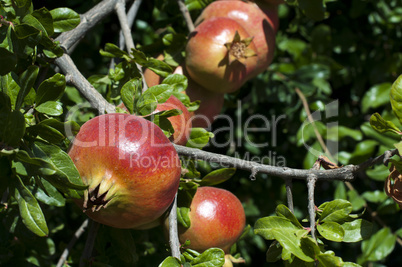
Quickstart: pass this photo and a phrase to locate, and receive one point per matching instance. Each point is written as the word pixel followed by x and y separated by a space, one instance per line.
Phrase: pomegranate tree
pixel 131 169
pixel 220 55
pixel 256 22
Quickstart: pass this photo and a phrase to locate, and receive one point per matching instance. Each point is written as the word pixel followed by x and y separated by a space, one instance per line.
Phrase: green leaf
pixel 328 259
pixel 157 66
pixel 379 246
pixel 183 216
pixel 33 21
pixel 283 211
pixel 26 81
pixel 51 89
pixel 382 126
pixel 51 108
pixel 274 252
pixel 376 196
pixel 335 211
pixel 331 231
pixel 50 195
pixel 66 177
pixel 396 98
pixel 10 58
pixel 42 167
pixel 217 176
pixel 44 17
pixel 357 230
pixel 212 257
pixel 199 138
pixel 64 19
pixel 177 81
pixel 12 127
pixel 112 50
pixel 123 243
pixel 376 96
pixel 291 242
pixel 128 92
pixel 170 262
pixel 265 227
pixel 197 4
pixel 30 211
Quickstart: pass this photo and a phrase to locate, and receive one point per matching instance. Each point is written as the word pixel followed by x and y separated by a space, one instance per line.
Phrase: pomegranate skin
pixel 257 23
pixel 181 123
pixel 217 220
pixel 208 60
pixel 131 169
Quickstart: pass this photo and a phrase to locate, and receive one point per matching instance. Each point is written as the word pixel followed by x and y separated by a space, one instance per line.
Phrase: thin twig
pixel 125 28
pixel 311 120
pixel 186 15
pixel 289 193
pixel 124 24
pixel 76 236
pixel 131 14
pixel 173 233
pixel 311 205
pixel 89 245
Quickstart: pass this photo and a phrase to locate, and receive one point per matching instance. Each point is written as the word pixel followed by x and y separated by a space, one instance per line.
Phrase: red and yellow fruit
pixel 220 55
pixel 217 220
pixel 131 169
pixel 256 22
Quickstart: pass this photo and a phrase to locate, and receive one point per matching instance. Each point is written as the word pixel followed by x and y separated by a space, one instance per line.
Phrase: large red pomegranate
pixel 217 220
pixel 256 22
pixel 131 169
pixel 220 55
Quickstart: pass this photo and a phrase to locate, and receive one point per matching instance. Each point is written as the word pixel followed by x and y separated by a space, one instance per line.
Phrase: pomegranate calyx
pixel 95 200
pixel 238 48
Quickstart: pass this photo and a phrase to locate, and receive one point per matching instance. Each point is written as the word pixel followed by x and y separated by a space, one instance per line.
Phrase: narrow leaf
pixel 31 213
pixel 27 80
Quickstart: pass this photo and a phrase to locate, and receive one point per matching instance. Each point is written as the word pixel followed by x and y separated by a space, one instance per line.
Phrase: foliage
pixel 342 54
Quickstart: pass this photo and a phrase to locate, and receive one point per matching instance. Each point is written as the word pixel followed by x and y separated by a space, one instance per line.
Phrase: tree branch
pixel 124 24
pixel 311 205
pixel 173 233
pixel 74 76
pixel 88 21
pixel 76 236
pixel 131 14
pixel 186 15
pixel 89 245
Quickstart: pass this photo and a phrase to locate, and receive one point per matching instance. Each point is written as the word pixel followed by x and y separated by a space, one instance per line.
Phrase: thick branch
pixel 74 76
pixel 345 173
pixel 88 21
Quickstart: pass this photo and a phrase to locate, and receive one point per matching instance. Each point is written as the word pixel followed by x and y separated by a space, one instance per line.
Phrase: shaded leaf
pixel 217 176
pixel 382 126
pixel 396 98
pixel 26 81
pixel 51 89
pixel 30 211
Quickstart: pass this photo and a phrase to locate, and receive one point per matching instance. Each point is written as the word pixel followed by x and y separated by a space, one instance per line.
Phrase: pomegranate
pixel 210 103
pixel 131 169
pixel 271 12
pixel 181 123
pixel 220 55
pixel 217 220
pixel 256 22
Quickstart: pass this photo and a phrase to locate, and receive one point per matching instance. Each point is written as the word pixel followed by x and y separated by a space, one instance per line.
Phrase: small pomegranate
pixel 256 22
pixel 181 123
pixel 220 55
pixel 131 169
pixel 217 220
